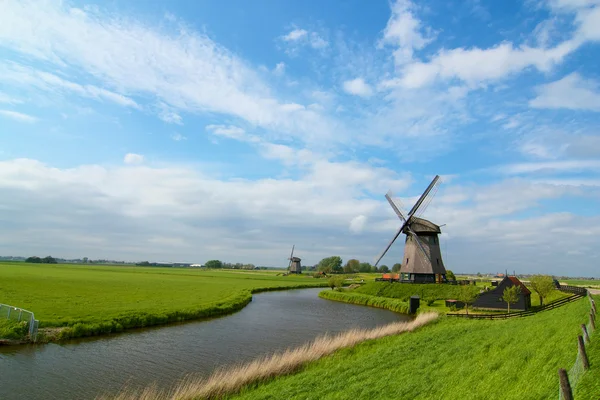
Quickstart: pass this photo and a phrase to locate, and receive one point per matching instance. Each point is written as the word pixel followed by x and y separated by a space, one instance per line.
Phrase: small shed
pixel 493 299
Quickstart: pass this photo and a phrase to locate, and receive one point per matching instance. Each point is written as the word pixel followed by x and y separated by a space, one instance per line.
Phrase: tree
pixel 213 264
pixel 351 266
pixel 364 267
pixel 384 269
pixel 511 295
pixel 330 264
pixel 374 269
pixel 335 282
pixel 85 260
pixel 49 260
pixel 467 295
pixel 396 267
pixel 450 275
pixel 479 274
pixel 542 285
pixel 34 259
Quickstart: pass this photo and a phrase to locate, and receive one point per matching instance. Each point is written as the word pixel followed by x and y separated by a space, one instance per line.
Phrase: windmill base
pixel 414 278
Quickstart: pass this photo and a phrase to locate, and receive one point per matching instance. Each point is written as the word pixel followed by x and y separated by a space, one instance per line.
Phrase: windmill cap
pixel 420 225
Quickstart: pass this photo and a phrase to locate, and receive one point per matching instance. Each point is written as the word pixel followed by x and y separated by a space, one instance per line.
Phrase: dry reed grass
pixel 232 379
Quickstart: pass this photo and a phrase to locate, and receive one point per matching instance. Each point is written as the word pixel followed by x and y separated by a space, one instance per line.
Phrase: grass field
pixel 100 299
pixel 585 283
pixel 450 359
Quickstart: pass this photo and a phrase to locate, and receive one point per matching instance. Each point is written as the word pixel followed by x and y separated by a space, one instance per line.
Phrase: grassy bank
pixel 588 387
pixel 450 359
pixel 91 300
pixel 366 300
pixel 403 291
pixel 228 381
pixel 13 330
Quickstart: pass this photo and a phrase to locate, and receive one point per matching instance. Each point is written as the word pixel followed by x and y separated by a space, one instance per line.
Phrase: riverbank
pixel 450 359
pixel 72 301
pixel 230 381
pixel 366 300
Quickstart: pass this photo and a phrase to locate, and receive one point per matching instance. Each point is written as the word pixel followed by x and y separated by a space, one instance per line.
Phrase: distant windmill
pixel 422 260
pixel 294 266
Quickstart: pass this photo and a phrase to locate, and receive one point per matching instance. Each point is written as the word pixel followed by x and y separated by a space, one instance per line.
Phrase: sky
pixel 186 131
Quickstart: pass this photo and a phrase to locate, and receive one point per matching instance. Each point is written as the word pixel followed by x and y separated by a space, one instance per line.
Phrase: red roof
pixel 517 282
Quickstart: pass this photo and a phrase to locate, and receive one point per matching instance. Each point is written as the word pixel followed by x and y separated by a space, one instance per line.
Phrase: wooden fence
pixel 577 293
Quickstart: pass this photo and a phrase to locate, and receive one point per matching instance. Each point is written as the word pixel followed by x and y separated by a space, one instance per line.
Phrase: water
pixel 85 368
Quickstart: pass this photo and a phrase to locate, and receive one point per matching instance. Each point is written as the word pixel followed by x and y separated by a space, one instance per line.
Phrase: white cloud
pixel 178 137
pixel 476 65
pixel 571 92
pixel 168 115
pixel 550 166
pixel 120 209
pixel 297 37
pixel 358 87
pixel 133 159
pixel 17 116
pixel 357 224
pixel 295 34
pixel 231 132
pixel 404 31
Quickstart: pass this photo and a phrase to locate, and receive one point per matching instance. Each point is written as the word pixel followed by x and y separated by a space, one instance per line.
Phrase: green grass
pixel 10 329
pixel 588 388
pixel 580 282
pixel 366 300
pixel 101 299
pixel 450 359
pixel 403 291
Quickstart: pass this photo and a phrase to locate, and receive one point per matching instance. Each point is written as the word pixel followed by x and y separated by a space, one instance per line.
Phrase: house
pixel 493 299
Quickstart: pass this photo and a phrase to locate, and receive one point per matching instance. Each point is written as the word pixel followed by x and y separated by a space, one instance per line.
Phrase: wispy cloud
pixel 182 69
pixel 178 137
pixel 571 92
pixel 18 116
pixel 302 37
pixel 19 75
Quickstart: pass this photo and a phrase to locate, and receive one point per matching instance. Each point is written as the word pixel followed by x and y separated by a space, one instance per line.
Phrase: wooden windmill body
pixel 422 261
pixel 294 267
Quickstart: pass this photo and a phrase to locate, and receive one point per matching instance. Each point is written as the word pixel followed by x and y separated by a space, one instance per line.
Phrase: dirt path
pixel 594 291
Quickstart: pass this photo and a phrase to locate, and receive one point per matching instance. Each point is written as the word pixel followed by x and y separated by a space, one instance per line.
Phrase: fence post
pixel 9 310
pixel 565 386
pixel 584 357
pixel 585 333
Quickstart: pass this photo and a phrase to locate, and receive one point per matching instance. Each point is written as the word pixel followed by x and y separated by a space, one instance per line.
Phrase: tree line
pixel 38 260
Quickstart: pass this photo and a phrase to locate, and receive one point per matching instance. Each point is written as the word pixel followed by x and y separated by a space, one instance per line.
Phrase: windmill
pixel 422 260
pixel 294 267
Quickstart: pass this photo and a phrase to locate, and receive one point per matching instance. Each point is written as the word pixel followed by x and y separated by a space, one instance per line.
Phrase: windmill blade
pixel 291 256
pixel 388 246
pixel 419 244
pixel 395 207
pixel 423 197
pixel 428 200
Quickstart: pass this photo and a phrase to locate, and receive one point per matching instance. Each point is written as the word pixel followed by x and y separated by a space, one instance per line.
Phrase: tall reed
pixel 230 380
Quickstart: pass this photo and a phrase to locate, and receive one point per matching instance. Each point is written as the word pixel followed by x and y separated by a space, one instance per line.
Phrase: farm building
pixel 493 298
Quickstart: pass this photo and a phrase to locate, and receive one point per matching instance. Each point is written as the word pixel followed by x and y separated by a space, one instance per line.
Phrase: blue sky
pixel 187 131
